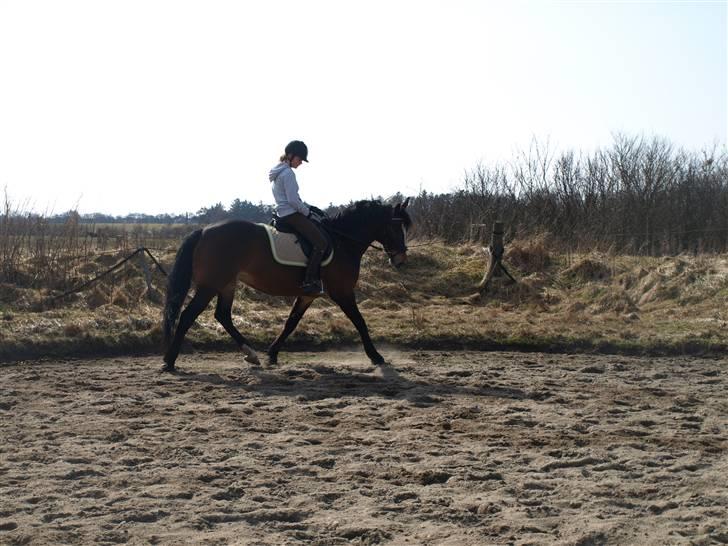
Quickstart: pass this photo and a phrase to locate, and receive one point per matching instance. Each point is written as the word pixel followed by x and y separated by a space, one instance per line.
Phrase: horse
pixel 218 255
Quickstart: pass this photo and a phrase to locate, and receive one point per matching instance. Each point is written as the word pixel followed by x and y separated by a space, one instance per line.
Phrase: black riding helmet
pixel 297 148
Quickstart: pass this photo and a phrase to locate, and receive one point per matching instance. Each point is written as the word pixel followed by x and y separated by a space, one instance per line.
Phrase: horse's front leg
pixel 299 308
pixel 347 302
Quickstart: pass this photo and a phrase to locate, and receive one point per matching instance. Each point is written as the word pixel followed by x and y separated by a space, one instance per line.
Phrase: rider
pixel 296 213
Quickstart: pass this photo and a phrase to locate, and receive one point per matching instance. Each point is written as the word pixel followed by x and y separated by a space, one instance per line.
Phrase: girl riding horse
pixel 217 256
pixel 293 212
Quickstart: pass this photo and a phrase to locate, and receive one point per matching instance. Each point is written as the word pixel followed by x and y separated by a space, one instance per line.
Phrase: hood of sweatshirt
pixel 278 169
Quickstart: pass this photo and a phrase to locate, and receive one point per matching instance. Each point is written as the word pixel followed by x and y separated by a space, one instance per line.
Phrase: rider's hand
pixel 316 214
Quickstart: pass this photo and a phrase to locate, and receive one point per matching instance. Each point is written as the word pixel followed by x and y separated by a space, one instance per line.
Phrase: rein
pixel 372 245
pixel 346 236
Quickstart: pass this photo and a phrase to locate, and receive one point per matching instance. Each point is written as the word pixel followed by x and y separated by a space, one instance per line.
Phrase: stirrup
pixel 313 288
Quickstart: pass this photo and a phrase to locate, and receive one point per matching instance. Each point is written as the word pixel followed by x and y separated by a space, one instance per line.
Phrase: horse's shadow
pixel 317 382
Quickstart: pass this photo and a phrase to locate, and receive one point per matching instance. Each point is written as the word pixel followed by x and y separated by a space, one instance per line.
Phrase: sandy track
pixel 439 448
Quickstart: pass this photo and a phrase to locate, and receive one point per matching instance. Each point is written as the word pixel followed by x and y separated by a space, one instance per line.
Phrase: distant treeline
pixel 241 209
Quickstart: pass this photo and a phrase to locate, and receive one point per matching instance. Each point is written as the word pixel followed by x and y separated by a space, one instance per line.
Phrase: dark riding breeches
pixel 306 228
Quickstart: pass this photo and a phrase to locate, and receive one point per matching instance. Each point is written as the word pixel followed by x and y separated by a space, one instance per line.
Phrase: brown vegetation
pixel 619 249
pixel 595 301
pixel 639 196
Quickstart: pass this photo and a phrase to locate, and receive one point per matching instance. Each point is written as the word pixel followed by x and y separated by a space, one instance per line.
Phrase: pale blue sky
pixel 161 106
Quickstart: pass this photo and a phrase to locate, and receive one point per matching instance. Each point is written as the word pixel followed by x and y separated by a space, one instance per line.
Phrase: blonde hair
pixel 284 157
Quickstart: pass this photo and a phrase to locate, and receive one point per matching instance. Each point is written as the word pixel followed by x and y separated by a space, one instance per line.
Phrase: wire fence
pixel 139 251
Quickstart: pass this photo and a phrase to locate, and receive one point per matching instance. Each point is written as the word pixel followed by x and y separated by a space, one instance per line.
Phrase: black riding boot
pixel 312 280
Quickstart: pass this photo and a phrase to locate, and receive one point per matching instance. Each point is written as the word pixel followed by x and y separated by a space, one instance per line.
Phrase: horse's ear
pixel 396 208
pixel 406 202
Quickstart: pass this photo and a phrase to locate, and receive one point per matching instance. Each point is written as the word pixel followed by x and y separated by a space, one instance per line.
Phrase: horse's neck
pixel 360 239
pixel 366 236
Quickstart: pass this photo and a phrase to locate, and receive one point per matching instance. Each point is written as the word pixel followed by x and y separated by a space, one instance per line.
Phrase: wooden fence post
pixel 496 251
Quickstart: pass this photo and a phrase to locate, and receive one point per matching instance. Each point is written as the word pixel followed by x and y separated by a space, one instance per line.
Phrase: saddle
pixel 289 248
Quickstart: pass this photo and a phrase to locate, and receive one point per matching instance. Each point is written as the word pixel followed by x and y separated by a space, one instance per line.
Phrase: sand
pixel 456 448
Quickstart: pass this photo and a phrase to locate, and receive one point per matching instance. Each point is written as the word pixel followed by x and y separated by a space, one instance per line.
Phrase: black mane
pixel 363 213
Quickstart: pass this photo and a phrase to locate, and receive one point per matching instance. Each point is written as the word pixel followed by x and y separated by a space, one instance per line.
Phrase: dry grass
pixel 595 301
pixel 531 255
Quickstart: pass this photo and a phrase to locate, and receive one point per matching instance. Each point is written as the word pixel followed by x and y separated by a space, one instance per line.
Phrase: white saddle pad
pixel 286 249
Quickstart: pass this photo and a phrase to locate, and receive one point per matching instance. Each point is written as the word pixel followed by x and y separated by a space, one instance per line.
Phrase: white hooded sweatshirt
pixel 285 191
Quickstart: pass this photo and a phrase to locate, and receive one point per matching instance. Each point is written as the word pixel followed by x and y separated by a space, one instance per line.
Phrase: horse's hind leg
pixel 224 315
pixel 202 297
pixel 299 308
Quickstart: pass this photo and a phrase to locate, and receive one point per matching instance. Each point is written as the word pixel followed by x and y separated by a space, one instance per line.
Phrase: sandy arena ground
pixel 457 448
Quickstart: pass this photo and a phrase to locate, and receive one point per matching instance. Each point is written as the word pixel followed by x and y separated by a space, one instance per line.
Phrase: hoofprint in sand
pixel 437 448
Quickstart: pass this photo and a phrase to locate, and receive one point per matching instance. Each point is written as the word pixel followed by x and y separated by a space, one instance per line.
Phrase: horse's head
pixel 366 221
pixel 394 237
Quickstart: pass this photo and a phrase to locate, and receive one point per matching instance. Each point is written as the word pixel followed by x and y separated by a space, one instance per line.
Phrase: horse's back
pixel 235 226
pixel 225 248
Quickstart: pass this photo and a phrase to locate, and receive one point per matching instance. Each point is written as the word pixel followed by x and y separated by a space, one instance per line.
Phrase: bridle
pixel 400 222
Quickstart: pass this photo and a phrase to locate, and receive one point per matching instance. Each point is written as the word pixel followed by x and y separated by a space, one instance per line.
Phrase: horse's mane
pixel 365 212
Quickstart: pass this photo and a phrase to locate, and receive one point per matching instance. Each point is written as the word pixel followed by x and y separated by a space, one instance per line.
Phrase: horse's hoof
pixel 250 355
pixel 272 360
pixel 378 360
pixel 168 368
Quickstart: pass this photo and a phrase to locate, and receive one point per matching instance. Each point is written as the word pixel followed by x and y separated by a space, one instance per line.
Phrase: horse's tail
pixel 178 284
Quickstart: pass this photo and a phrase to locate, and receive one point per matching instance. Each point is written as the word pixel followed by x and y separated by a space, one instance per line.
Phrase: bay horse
pixel 218 255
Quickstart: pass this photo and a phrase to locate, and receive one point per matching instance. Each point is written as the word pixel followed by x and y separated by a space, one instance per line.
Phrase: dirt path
pixel 440 448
